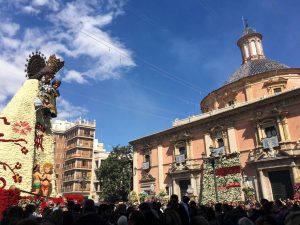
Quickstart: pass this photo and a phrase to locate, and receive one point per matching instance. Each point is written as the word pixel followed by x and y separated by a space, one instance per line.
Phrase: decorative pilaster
pixel 262 183
pixel 135 173
pixel 208 143
pixel 232 140
pixel 160 167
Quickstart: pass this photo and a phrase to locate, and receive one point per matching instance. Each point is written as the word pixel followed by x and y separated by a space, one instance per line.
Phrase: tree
pixel 115 174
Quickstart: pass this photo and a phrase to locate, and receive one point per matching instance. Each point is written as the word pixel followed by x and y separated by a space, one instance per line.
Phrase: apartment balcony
pixel 78 155
pixel 84 191
pixel 73 167
pixel 81 135
pixel 76 146
pixel 76 178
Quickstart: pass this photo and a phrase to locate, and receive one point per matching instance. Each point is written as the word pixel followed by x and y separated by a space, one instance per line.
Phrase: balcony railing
pixel 70 167
pixel 216 152
pixel 76 178
pixel 270 143
pixel 146 165
pixel 78 155
pixel 180 158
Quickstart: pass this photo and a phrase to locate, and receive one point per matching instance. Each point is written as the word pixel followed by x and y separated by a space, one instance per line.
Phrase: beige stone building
pixel 255 114
pixel 99 154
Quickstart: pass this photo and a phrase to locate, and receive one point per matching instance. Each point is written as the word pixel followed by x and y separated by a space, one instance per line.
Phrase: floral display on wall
pixel 8 198
pixel 297 191
pixel 228 179
pixel 22 128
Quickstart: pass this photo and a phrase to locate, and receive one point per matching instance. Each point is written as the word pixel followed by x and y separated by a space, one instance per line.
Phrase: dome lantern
pixel 250 44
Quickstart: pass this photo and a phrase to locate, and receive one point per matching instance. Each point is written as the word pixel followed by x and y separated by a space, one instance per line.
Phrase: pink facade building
pixel 255 114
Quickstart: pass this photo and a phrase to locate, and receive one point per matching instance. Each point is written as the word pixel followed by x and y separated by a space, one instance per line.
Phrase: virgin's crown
pixel 54 63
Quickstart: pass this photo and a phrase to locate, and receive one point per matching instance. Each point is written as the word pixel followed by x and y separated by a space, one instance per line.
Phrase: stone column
pixel 160 167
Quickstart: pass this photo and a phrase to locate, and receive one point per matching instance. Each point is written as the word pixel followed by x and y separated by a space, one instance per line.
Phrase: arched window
pixel 253 48
pixel 246 50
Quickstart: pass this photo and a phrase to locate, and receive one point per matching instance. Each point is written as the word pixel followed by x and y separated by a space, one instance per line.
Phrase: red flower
pixel 17 178
pixel 228 170
pixel 22 127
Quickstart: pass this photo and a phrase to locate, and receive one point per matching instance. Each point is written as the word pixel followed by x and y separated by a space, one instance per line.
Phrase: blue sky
pixel 135 66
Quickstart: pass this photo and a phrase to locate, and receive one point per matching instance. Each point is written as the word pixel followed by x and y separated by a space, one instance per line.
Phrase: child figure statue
pixel 46 178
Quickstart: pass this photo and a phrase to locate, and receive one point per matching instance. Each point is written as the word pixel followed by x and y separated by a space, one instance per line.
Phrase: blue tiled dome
pixel 254 67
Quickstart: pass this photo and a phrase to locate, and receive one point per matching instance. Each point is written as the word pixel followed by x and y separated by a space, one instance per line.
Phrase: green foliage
pixel 249 193
pixel 133 197
pixel 143 196
pixel 115 174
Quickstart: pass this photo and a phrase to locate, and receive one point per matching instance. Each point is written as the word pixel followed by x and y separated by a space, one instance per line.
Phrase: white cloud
pixel 67 111
pixel 75 76
pixel 63 33
pixel 30 10
pixel 10 29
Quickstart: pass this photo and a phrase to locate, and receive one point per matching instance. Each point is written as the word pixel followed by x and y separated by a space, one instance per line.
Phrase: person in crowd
pixel 136 218
pixel 245 221
pixel 173 204
pixel 171 217
pixel 198 220
pixel 185 203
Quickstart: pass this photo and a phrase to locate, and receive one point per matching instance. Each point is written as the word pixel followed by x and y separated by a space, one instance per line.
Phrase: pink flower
pixel 23 127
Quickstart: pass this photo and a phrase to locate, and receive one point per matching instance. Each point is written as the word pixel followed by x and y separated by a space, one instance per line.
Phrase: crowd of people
pixel 175 212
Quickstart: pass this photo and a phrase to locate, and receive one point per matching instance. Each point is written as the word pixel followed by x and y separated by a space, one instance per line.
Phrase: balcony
pixel 146 166
pixel 78 155
pixel 180 158
pixel 188 164
pixel 76 178
pixel 82 134
pixel 72 167
pixel 216 152
pixel 270 143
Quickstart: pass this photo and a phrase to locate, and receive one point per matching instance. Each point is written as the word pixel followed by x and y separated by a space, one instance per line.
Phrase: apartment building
pixel 74 156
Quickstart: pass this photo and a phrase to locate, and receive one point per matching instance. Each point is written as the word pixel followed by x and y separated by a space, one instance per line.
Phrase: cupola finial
pixel 245 22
